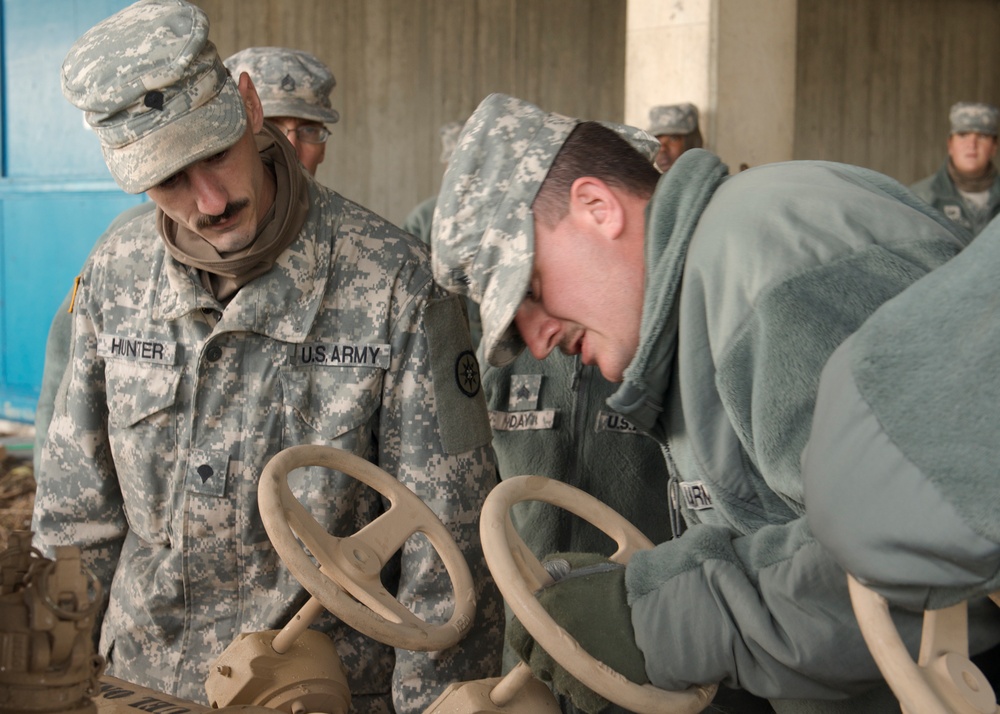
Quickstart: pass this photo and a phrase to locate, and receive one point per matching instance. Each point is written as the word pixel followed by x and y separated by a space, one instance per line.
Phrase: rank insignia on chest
pixel 525 391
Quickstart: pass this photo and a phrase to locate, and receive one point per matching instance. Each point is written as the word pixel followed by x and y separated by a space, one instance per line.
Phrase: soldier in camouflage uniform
pixel 715 301
pixel 967 188
pixel 675 126
pixel 294 89
pixel 251 311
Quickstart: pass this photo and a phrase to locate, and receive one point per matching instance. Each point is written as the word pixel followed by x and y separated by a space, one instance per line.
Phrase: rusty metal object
pixel 48 608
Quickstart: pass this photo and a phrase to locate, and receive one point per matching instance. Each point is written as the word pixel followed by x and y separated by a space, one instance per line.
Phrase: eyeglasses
pixel 309 133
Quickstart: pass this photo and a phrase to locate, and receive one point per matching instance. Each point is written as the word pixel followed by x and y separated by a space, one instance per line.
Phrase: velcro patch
pixel 523 421
pixel 696 495
pixel 136 349
pixel 342 354
pixel 612 421
pixel 525 390
pixel 461 406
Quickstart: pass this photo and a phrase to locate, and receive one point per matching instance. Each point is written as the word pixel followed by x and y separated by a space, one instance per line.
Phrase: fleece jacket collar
pixel 671 218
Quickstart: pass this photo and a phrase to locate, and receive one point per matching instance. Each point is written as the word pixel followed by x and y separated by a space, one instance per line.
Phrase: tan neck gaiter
pixel 223 274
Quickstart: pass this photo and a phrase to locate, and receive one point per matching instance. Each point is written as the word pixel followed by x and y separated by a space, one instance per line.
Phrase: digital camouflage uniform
pixel 174 403
pixel 420 220
pixel 289 83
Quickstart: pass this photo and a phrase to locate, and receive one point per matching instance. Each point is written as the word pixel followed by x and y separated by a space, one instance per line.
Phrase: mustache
pixel 230 210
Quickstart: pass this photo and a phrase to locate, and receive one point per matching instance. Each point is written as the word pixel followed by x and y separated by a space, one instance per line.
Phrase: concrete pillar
pixel 733 59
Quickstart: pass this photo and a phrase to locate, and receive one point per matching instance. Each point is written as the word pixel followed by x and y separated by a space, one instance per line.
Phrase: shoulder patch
pixel 461 406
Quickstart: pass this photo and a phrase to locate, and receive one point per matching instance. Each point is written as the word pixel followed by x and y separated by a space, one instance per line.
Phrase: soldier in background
pixel 252 310
pixel 966 188
pixel 676 128
pixel 294 89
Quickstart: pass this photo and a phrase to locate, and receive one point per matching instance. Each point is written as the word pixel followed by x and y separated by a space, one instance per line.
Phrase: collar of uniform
pixel 282 304
pixel 671 218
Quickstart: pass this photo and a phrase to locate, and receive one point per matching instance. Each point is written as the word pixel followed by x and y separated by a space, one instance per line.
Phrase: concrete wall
pixel 875 78
pixel 733 59
pixel 405 67
pixel 867 82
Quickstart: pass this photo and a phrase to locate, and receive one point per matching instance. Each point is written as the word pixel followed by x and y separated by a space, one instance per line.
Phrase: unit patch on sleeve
pixel 136 349
pixel 467 373
pixel 342 354
pixel 461 406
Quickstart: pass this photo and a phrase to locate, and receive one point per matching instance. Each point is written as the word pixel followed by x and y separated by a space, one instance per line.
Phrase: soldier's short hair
pixel 592 149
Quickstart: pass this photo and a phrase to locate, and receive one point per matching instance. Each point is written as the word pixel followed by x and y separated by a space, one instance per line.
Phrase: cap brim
pixel 212 127
pixel 502 342
pixel 299 110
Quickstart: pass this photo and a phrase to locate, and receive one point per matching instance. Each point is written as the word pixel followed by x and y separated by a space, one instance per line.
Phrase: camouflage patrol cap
pixel 973 116
pixel 449 137
pixel 483 234
pixel 154 90
pixel 290 83
pixel 673 119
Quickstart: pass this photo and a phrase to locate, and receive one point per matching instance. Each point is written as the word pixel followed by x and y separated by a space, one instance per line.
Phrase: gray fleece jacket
pixel 902 462
pixel 751 283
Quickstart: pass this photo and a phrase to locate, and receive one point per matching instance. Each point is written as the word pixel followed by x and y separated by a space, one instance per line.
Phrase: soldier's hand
pixel 588 600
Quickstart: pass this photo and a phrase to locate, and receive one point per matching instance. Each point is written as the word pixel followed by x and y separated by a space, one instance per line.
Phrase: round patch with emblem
pixel 467 373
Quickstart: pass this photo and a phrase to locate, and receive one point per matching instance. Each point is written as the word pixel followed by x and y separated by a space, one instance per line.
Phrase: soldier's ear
pixel 251 102
pixel 596 203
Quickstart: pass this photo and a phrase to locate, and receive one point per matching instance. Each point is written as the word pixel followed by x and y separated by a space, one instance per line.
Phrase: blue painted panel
pixel 42 253
pixel 45 134
pixel 56 195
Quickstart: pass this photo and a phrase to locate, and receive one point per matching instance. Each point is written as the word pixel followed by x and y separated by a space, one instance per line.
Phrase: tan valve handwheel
pixel 518 574
pixel 349 585
pixel 944 680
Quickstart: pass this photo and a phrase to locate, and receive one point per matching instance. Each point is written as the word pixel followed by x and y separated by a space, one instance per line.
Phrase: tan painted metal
pixel 518 574
pixel 344 576
pixel 47 611
pixel 943 680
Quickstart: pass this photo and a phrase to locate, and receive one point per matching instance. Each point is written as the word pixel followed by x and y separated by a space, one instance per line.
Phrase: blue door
pixel 56 195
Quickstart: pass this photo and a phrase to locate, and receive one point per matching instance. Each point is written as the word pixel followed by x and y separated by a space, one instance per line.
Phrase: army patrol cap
pixel 673 119
pixel 483 236
pixel 973 116
pixel 449 137
pixel 290 83
pixel 154 90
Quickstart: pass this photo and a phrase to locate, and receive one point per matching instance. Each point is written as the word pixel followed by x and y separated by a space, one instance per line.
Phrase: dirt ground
pixel 17 479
